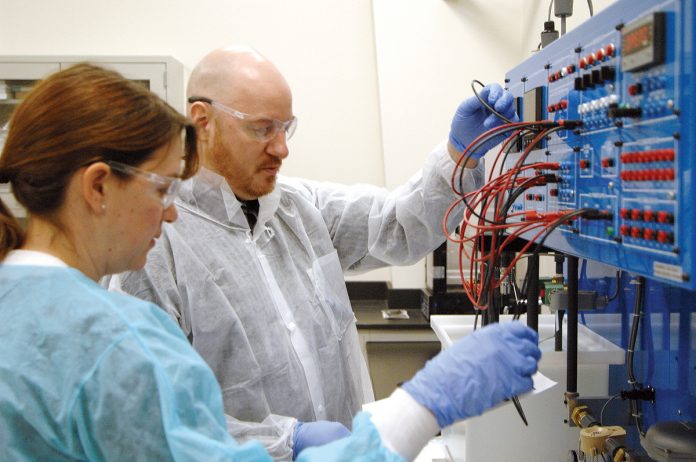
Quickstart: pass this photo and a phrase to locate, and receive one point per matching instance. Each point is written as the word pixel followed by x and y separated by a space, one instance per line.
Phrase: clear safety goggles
pixel 260 128
pixel 166 186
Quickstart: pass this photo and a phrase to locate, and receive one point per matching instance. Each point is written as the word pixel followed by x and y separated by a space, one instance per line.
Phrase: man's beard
pixel 225 164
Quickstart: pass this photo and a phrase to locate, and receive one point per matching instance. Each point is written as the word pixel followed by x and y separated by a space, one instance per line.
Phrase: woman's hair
pixel 71 119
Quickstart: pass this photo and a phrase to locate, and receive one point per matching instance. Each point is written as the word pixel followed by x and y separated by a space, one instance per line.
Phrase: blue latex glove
pixel 308 434
pixel 472 118
pixel 477 372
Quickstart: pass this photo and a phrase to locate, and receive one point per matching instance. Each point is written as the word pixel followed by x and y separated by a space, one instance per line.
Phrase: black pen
pixel 518 406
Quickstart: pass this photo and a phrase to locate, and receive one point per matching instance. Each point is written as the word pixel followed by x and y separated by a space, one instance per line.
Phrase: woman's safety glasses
pixel 166 186
pixel 260 128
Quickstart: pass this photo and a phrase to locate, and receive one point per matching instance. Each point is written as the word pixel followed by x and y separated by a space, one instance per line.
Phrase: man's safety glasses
pixel 166 186
pixel 262 129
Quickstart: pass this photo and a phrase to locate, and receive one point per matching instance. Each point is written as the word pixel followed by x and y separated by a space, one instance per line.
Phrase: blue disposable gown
pixel 268 308
pixel 87 374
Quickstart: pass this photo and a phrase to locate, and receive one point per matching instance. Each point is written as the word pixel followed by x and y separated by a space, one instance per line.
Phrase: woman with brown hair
pixel 86 374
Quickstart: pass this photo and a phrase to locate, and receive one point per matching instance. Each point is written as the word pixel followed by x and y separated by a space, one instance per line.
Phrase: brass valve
pixel 592 439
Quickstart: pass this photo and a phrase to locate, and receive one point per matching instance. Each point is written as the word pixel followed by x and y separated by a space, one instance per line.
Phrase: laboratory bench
pixel 395 348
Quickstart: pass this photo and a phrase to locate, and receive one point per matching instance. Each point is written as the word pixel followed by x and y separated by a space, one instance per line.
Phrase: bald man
pixel 253 269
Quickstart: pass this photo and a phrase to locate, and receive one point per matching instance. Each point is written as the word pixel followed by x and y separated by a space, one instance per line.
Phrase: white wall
pixel 325 49
pixel 375 81
pixel 428 51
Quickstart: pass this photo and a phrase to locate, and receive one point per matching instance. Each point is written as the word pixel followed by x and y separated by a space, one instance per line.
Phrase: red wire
pixel 474 226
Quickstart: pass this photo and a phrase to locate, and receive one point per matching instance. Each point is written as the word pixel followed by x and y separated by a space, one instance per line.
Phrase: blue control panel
pixel 628 75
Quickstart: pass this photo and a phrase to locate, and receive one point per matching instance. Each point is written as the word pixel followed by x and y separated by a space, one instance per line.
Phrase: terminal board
pixel 628 75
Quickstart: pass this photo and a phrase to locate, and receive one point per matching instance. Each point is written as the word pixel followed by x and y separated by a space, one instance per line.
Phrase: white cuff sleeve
pixel 404 424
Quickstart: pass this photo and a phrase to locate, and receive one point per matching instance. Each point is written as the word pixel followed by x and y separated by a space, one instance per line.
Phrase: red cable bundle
pixel 490 201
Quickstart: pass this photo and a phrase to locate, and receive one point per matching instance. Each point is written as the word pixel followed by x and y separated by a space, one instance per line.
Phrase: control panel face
pixel 628 75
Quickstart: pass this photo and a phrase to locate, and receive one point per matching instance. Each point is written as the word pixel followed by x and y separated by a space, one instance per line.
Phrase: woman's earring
pixel 103 206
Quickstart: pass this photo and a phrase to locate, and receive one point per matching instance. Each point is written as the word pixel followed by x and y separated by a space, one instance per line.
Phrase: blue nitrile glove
pixel 477 372
pixel 307 434
pixel 472 118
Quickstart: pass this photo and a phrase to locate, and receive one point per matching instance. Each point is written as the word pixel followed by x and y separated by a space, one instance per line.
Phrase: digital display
pixel 637 39
pixel 643 42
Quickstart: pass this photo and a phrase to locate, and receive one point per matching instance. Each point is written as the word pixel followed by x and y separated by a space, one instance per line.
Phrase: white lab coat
pixel 268 310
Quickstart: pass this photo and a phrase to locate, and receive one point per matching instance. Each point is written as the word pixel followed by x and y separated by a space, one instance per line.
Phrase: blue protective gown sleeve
pixel 364 444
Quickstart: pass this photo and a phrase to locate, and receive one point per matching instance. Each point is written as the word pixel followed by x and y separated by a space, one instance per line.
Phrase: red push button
pixel 610 49
pixel 665 217
pixel 665 237
pixel 635 89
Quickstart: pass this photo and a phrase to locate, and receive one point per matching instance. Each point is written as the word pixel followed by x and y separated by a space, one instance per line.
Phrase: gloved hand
pixel 307 434
pixel 472 118
pixel 477 372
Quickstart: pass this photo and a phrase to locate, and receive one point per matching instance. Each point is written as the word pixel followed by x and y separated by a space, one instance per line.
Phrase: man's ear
pixel 200 115
pixel 94 186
